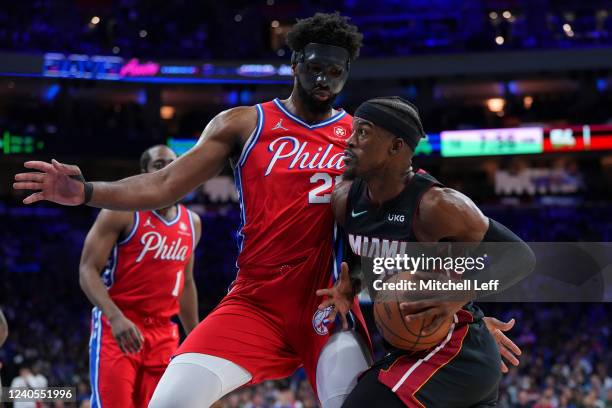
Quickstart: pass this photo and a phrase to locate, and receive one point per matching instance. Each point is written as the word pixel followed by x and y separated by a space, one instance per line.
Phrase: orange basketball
pixel 392 326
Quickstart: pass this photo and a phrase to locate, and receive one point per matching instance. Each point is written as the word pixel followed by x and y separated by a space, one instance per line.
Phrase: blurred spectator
pixel 29 378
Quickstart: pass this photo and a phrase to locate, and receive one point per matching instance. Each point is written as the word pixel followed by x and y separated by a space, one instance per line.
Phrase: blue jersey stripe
pixel 94 357
pixel 193 230
pixel 253 139
pixel 238 176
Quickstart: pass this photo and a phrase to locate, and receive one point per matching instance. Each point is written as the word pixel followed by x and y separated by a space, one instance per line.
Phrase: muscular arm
pixel 3 329
pixel 189 299
pixel 225 133
pixel 98 245
pixel 446 214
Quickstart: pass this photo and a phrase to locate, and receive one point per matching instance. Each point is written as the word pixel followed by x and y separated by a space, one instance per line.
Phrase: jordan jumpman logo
pixel 279 125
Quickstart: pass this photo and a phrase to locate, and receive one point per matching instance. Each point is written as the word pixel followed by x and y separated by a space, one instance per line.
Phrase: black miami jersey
pixel 463 370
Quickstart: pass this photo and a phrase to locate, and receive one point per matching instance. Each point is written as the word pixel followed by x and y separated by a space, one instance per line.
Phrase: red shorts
pixel 128 380
pixel 270 325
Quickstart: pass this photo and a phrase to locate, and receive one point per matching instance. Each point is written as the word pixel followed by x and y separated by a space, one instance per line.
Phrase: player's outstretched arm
pixel 53 181
pixel 98 245
pixel 188 302
pixel 3 329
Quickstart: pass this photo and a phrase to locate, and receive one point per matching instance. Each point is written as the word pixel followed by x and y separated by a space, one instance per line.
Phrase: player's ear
pixel 397 145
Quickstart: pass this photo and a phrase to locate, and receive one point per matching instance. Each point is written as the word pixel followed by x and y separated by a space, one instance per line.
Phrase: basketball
pixel 392 326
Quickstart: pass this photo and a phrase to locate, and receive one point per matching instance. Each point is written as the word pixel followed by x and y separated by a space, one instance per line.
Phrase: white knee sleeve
pixel 342 359
pixel 194 380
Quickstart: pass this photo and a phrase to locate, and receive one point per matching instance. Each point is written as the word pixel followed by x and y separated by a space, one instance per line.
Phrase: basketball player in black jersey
pixel 383 197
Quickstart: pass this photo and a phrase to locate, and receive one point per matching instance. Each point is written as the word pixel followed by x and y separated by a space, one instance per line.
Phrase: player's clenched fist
pixel 128 337
pixel 57 182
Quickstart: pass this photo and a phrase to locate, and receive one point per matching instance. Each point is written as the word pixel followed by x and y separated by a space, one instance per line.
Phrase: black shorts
pixel 462 372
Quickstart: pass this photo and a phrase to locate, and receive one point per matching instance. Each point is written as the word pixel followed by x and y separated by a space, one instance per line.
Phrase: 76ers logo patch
pixel 319 319
pixel 340 132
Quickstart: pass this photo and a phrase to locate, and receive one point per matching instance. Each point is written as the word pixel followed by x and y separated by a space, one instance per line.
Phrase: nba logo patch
pixel 183 226
pixel 318 320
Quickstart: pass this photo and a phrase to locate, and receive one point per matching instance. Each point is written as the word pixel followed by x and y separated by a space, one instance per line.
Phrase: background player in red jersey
pixel 148 278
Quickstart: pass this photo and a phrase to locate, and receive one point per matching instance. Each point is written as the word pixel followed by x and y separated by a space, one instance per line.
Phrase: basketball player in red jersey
pixel 287 156
pixel 148 278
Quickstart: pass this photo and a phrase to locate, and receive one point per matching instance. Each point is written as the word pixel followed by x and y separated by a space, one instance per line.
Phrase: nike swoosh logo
pixel 354 214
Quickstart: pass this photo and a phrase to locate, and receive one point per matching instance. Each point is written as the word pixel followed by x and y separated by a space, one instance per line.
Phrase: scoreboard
pixel 578 138
pixel 491 142
pixel 525 140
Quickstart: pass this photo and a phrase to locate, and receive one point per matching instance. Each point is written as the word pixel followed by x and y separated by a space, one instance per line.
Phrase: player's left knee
pixel 343 358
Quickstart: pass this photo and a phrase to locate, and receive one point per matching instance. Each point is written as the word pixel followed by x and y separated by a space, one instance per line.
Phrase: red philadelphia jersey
pixel 145 273
pixel 285 176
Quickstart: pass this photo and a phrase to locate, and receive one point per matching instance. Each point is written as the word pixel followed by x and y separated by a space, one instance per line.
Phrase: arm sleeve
pixel 508 258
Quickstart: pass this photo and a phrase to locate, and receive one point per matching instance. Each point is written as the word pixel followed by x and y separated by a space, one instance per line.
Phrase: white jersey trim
pixel 252 140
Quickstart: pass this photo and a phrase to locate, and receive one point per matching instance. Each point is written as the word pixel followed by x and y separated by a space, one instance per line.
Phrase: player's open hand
pixel 340 297
pixel 126 334
pixel 507 348
pixel 53 182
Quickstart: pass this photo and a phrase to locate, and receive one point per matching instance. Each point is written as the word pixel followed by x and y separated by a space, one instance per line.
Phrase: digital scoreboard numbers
pixel 491 142
pixel 13 144
pixel 578 139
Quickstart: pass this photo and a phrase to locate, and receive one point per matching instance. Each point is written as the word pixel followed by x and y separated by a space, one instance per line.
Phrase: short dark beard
pixel 313 105
pixel 349 174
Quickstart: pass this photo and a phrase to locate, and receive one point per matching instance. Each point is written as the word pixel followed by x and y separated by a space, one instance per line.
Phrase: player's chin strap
pixel 87 187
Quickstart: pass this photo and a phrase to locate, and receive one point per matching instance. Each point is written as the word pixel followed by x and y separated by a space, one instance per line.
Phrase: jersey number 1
pixel 316 196
pixel 175 291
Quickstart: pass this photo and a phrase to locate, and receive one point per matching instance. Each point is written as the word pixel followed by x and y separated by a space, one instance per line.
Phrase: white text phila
pixel 290 148
pixel 153 241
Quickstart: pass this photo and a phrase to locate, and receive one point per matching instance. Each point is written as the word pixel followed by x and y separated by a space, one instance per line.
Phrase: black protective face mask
pixel 314 105
pixel 321 66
